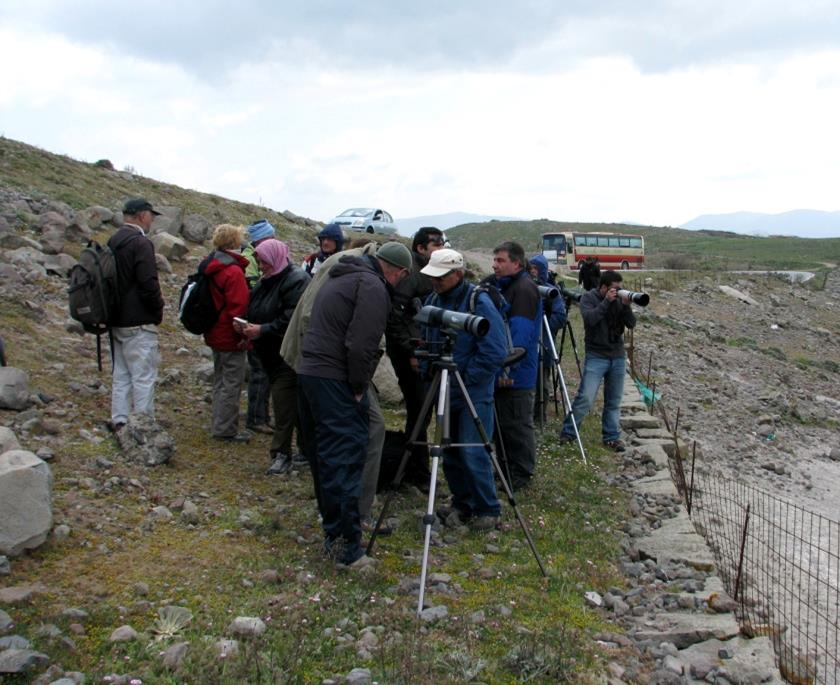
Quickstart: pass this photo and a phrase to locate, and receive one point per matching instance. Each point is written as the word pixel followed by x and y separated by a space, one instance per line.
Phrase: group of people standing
pixel 313 335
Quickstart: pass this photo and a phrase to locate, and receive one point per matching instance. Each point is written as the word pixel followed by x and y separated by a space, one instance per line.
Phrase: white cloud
pixel 589 138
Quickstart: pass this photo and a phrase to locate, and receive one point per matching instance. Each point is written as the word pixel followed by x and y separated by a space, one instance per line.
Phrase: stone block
pixel 25 501
pixel 170 246
pixel 14 389
pixel 677 540
pixel 684 630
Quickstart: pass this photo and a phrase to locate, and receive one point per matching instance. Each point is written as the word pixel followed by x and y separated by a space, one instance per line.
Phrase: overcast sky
pixel 584 110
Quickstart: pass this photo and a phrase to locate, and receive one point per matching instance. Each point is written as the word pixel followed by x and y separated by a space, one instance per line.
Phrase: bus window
pixel 580 240
pixel 635 242
pixel 603 241
pixel 613 242
pixel 592 241
pixel 624 242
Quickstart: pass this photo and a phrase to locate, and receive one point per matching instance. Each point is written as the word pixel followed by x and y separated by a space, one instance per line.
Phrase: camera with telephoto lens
pixel 549 292
pixel 570 295
pixel 452 321
pixel 641 299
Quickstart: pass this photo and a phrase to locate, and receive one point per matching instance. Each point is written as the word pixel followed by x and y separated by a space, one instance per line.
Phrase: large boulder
pixel 25 501
pixel 170 221
pixel 8 440
pixel 53 221
pixel 170 246
pixel 196 228
pixel 14 388
pixel 52 240
pixel 78 230
pixel 386 384
pixel 11 241
pixel 59 264
pixel 96 216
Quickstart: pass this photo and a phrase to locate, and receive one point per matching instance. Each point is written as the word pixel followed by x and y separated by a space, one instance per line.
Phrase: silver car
pixel 366 220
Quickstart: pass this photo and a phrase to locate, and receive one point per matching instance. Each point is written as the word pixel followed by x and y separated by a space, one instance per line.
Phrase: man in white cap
pixel 468 469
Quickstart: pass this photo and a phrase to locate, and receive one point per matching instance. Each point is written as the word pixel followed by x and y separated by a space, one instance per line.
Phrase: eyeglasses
pixel 435 241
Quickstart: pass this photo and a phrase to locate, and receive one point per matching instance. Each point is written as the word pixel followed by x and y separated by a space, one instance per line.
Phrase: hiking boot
pixel 282 464
pixel 615 445
pixel 484 524
pixel 239 437
pixel 566 439
pixel 299 459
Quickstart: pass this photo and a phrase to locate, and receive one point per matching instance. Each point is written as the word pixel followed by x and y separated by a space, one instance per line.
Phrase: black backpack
pixel 93 291
pixel 196 310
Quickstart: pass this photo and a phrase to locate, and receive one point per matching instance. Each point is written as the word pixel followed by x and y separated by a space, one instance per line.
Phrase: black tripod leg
pixel 574 346
pixel 489 447
pixel 409 445
pixel 567 402
pixel 502 447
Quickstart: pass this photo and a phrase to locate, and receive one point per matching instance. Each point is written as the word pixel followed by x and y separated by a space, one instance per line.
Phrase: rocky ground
pixel 752 363
pixel 753 373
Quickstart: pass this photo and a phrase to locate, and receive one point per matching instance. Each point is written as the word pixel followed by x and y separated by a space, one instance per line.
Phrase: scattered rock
pixel 144 441
pixel 173 656
pixel 435 613
pixel 22 660
pixel 247 626
pixel 358 676
pixel 124 634
pixel 226 648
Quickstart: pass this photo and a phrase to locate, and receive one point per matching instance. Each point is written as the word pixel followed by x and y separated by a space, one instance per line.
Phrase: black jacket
pixel 604 323
pixel 348 319
pixel 137 279
pixel 402 328
pixel 273 301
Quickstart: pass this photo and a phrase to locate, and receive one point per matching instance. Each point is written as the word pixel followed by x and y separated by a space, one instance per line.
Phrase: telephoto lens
pixel 548 292
pixel 454 321
pixel 641 299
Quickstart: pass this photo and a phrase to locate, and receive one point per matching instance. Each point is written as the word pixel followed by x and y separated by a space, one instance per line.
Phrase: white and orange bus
pixel 613 250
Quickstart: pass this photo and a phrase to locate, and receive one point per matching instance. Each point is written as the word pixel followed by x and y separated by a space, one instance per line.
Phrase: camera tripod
pixel 440 391
pixel 557 376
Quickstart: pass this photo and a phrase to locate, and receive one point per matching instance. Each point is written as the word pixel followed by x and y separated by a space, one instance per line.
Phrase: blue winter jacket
pixel 478 359
pixel 524 321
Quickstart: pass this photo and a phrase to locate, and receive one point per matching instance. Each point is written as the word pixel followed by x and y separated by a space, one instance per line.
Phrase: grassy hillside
pixel 81 184
pixel 666 245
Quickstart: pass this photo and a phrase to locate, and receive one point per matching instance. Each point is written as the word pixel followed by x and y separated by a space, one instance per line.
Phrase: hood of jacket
pixel 542 267
pixel 219 259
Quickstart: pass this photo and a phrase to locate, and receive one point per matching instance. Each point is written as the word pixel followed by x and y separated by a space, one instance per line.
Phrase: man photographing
pixel 605 316
pixel 468 468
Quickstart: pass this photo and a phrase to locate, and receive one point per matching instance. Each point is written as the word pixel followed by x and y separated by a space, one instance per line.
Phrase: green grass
pixel 705 250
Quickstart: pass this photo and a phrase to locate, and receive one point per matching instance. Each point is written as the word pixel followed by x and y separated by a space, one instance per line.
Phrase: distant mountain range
pixel 804 223
pixel 444 221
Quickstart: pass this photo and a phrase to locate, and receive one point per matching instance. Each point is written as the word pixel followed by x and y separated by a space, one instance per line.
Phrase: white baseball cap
pixel 442 262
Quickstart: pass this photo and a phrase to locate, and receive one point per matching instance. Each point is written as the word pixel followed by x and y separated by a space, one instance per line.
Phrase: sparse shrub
pixel 104 164
pixel 676 261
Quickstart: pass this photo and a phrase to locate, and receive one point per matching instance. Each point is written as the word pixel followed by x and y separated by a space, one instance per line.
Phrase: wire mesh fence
pixel 781 564
pixel 777 560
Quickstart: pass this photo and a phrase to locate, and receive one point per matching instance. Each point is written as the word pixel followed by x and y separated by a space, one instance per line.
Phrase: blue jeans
pixel 469 470
pixel 596 368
